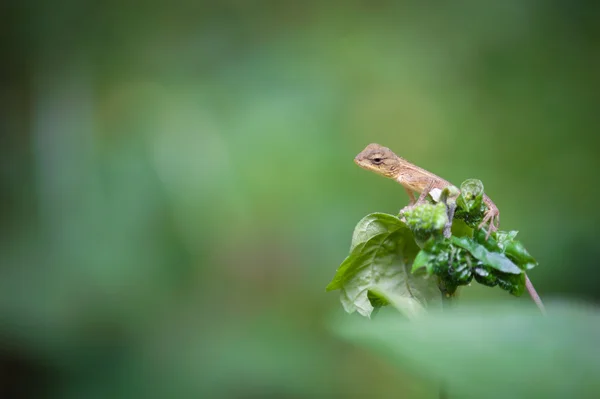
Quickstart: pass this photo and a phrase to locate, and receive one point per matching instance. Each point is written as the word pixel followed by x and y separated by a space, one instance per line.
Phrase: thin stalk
pixel 534 295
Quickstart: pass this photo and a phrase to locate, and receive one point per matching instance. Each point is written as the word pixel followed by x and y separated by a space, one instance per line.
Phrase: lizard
pixel 385 162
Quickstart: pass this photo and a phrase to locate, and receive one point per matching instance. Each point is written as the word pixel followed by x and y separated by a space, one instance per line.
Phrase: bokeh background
pixel 177 185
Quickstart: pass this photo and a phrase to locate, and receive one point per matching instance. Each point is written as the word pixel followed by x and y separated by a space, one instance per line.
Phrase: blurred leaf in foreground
pixel 492 352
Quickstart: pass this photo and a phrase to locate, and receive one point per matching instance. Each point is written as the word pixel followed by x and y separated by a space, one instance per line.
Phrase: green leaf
pixel 504 237
pixel 470 203
pixel 426 220
pixel 505 242
pixel 404 304
pixel 460 228
pixel 491 352
pixel 513 283
pixel 423 259
pixel 372 225
pixel 471 195
pixel 489 243
pixel 496 260
pixel 517 252
pixel 378 267
pixel 377 299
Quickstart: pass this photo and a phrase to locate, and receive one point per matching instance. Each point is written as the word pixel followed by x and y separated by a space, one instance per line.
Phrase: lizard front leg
pixel 421 199
pixel 425 192
pixel 422 196
pixel 411 196
pixel 492 218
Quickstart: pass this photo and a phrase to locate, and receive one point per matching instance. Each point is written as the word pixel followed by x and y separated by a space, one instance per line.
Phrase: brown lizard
pixel 383 161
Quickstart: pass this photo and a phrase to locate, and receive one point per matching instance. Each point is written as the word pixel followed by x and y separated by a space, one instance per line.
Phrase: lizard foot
pixel 492 217
pixel 424 193
pixel 421 200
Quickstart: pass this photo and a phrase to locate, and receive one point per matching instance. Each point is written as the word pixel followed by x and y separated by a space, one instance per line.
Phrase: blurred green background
pixel 177 185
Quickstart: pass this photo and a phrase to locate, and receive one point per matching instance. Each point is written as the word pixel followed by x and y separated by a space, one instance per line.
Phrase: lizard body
pixel 383 161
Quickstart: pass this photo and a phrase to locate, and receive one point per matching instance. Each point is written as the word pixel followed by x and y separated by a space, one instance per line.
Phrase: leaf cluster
pixel 406 260
pixel 459 260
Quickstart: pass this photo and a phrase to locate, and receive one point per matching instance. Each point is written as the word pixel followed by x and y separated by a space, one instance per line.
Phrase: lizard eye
pixel 377 161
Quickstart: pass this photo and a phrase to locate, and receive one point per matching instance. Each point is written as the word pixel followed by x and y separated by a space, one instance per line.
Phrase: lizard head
pixel 378 159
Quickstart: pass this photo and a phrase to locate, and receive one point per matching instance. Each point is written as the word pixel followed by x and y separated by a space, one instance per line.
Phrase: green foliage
pixel 491 352
pixel 407 260
pixel 496 260
pixel 514 249
pixel 470 202
pixel 378 269
pixel 452 264
pixel 426 221
pixel 460 259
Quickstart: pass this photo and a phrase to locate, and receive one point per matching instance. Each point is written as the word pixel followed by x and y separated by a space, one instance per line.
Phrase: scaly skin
pixel 383 161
